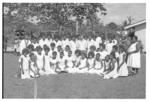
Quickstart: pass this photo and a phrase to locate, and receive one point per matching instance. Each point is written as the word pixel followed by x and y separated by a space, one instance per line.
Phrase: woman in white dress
pixel 134 56
pixel 40 61
pixel 122 68
pixel 24 64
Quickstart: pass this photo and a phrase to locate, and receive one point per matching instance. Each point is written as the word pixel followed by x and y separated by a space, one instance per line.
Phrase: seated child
pixel 90 60
pixel 34 72
pixel 83 64
pixel 98 66
pixel 40 61
pixel 24 64
pixel 113 66
pixel 54 62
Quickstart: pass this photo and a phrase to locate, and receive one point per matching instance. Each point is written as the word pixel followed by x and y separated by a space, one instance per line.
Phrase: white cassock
pixel 22 45
pixel 109 47
pixel 73 46
pixel 77 44
pixel 98 41
pixel 83 44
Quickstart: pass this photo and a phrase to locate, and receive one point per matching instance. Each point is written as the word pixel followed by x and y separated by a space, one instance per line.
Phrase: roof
pixel 135 24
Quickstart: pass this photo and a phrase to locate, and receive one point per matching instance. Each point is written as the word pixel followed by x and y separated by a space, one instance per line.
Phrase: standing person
pixel 134 56
pixel 72 44
pixel 27 40
pixel 109 46
pixel 24 64
pixel 122 68
pixel 42 40
pixel 22 45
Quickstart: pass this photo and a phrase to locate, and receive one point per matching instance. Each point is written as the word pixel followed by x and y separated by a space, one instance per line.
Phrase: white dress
pixel 25 65
pixel 91 63
pixel 22 45
pixel 61 63
pixel 40 62
pixel 113 73
pixel 53 64
pixel 103 54
pixel 75 69
pixel 134 60
pixel 97 68
pixel 48 70
pixel 123 71
pixel 70 61
pixel 33 70
pixel 82 67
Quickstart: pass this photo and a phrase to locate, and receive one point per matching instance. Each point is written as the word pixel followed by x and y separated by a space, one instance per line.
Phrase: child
pixel 61 63
pixel 90 60
pixel 33 67
pixel 69 61
pixel 54 62
pixel 102 51
pixel 98 65
pixel 113 68
pixel 48 70
pixel 115 52
pixel 122 69
pixel 52 48
pixel 76 61
pixel 30 48
pixel 106 63
pixel 40 61
pixel 24 64
pixel 83 64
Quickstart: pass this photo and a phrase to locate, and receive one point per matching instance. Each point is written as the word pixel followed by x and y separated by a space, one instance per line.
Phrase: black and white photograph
pixel 73 50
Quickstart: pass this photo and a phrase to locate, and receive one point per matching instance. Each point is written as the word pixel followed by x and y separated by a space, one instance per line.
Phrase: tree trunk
pixel 60 29
pixel 77 27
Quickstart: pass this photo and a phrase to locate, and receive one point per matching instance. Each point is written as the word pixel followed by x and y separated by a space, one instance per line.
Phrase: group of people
pixel 109 58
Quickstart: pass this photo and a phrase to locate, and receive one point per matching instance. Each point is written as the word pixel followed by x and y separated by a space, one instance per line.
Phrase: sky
pixel 118 12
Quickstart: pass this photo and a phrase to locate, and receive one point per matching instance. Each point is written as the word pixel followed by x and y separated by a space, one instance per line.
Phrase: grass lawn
pixel 71 85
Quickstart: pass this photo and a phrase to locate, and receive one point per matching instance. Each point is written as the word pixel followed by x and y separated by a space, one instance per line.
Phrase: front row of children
pixel 38 62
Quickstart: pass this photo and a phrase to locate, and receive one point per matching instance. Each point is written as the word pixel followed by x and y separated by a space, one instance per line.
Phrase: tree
pixel 86 11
